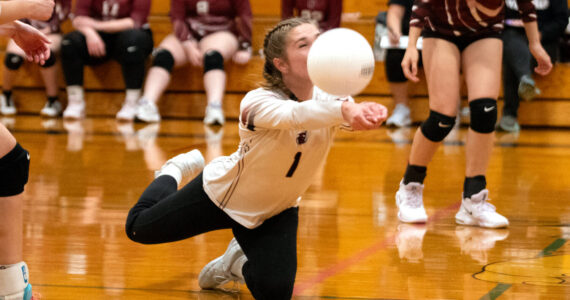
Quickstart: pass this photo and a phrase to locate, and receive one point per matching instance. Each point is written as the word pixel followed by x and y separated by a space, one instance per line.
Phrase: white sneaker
pixel 189 164
pixel 7 106
pixel 51 109
pixel 400 116
pixel 409 200
pixel 218 272
pixel 127 112
pixel 75 109
pixel 214 114
pixel 478 212
pixel 147 111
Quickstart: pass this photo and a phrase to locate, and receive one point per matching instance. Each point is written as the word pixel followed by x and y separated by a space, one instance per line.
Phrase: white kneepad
pixel 14 282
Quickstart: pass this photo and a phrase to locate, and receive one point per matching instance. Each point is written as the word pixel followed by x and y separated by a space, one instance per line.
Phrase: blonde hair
pixel 274 47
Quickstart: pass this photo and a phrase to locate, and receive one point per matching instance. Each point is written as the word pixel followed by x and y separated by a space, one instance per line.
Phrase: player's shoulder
pixel 260 95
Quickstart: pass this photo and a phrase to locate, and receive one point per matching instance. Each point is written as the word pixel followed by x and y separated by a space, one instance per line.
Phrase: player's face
pixel 299 41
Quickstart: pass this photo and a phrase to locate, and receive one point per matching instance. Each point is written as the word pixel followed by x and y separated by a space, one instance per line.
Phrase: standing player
pixel 14 160
pixel 326 12
pixel 463 34
pixel 15 58
pixel 106 29
pixel 206 34
pixel 286 131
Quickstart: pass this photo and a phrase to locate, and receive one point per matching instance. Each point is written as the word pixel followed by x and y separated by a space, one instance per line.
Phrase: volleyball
pixel 341 62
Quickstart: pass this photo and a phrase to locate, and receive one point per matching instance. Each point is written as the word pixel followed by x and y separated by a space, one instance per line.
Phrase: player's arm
pixel 25 9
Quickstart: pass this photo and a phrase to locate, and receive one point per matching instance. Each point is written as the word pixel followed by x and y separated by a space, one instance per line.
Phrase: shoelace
pixel 414 196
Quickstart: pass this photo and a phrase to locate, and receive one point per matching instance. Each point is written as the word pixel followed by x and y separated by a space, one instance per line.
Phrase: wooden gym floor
pixel 86 175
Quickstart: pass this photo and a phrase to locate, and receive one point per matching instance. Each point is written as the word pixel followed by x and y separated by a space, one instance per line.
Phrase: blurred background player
pixel 206 34
pixel 105 29
pixel 15 57
pixel 14 160
pixel 327 13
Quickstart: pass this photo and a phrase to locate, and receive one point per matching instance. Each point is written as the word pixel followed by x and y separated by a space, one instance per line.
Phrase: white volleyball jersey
pixel 283 143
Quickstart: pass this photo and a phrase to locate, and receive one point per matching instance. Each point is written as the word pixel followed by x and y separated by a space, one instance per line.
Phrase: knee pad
pixel 164 59
pixel 213 60
pixel 437 126
pixel 14 169
pixel 14 281
pixel 483 115
pixel 13 61
pixel 50 61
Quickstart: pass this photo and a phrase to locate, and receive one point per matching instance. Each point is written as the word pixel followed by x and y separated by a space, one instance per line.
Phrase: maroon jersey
pixel 326 12
pixel 105 10
pixel 60 13
pixel 456 17
pixel 194 19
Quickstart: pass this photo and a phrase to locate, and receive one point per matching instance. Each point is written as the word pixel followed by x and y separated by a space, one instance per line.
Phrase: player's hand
pixel 544 63
pixel 242 56
pixel 34 43
pixel 40 9
pixel 193 53
pixel 410 64
pixel 95 44
pixel 365 115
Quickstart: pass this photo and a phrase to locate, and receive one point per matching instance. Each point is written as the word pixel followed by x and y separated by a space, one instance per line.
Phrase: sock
pixel 13 279
pixel 132 96
pixel 473 185
pixel 51 99
pixel 75 93
pixel 172 171
pixel 237 266
pixel 415 174
pixel 7 94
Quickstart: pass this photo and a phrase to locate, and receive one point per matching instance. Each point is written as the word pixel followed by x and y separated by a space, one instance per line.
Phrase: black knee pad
pixel 164 59
pixel 483 115
pixel 437 126
pixel 14 168
pixel 13 61
pixel 50 61
pixel 213 60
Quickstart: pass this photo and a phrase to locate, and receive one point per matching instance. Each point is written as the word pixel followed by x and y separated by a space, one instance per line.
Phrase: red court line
pixel 365 253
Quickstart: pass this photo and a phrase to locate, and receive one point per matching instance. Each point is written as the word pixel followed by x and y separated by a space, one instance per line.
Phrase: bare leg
pixel 399 92
pixel 49 75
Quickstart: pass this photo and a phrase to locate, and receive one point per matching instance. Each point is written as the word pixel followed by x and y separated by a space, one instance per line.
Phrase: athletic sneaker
pixel 51 110
pixel 218 272
pixel 189 164
pixel 400 116
pixel 75 109
pixel 128 111
pixel 409 200
pixel 147 111
pixel 7 106
pixel 527 88
pixel 214 115
pixel 509 123
pixel 478 212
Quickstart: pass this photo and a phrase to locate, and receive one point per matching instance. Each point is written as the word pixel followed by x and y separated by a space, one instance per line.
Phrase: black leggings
pixel 164 214
pixel 129 47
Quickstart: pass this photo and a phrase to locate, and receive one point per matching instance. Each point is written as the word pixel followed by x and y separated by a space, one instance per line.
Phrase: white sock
pixel 13 278
pixel 172 170
pixel 132 96
pixel 75 93
pixel 237 266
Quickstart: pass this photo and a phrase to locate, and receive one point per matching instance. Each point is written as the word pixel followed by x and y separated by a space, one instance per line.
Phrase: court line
pixel 358 257
pixel 500 288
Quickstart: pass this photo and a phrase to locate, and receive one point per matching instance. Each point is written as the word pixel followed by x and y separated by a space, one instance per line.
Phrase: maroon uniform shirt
pixel 60 13
pixel 194 19
pixel 456 18
pixel 105 10
pixel 326 12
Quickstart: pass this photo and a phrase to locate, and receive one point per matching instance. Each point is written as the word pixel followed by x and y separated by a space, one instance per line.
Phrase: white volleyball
pixel 341 62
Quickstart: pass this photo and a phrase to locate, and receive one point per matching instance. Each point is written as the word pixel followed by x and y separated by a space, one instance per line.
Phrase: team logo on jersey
pixel 302 138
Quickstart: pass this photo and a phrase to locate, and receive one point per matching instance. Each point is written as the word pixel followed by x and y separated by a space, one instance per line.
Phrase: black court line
pixel 502 287
pixel 381 141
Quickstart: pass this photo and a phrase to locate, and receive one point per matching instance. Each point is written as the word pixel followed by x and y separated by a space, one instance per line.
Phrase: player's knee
pixel 163 59
pixel 13 61
pixel 50 61
pixel 14 282
pixel 483 115
pixel 213 60
pixel 437 126
pixel 14 168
